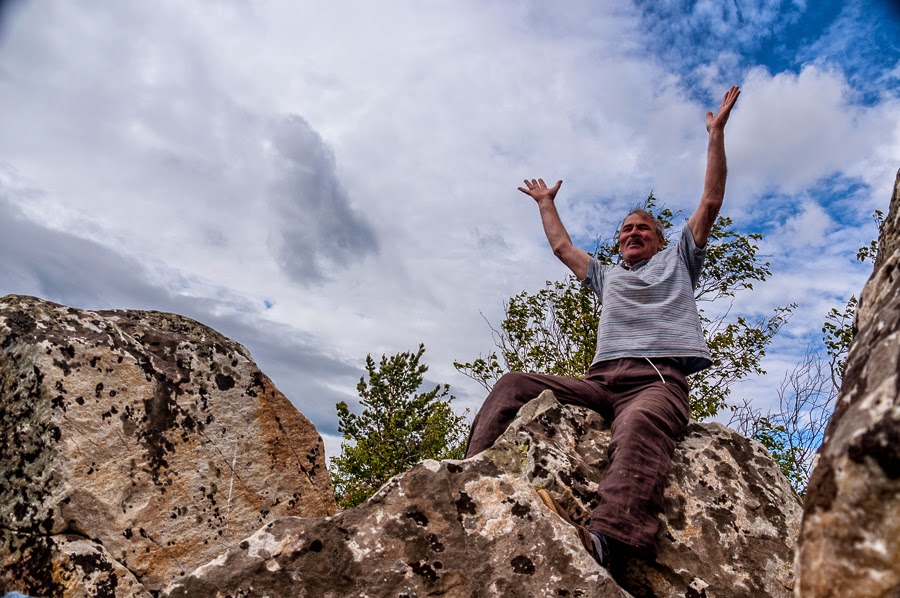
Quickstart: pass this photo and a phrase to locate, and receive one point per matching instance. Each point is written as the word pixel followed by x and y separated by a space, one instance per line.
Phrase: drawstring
pixel 657 370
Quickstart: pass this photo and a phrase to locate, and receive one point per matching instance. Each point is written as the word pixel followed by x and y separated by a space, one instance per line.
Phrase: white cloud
pixel 809 226
pixel 792 131
pixel 795 129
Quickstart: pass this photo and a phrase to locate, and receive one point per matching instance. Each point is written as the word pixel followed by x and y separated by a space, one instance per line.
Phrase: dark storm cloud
pixel 319 228
pixel 61 267
pixel 6 9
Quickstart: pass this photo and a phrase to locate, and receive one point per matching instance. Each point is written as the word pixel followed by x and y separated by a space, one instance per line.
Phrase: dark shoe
pixel 594 542
pixel 601 549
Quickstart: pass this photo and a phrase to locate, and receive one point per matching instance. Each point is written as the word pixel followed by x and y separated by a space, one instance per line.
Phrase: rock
pixel 139 445
pixel 730 517
pixel 81 567
pixel 477 528
pixel 849 543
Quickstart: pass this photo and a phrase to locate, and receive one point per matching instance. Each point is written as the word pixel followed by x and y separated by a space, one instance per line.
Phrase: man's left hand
pixel 718 121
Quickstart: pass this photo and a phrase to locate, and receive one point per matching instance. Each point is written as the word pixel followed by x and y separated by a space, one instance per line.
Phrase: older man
pixel 649 339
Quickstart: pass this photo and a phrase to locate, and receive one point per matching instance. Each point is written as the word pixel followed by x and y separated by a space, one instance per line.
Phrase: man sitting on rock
pixel 649 339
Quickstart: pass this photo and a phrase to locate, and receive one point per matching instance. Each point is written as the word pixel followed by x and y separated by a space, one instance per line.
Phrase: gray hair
pixel 657 223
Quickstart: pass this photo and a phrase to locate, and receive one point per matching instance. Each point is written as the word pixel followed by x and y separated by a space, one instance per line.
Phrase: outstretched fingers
pixel 556 187
pixel 537 189
pixel 718 120
pixel 535 183
pixel 529 186
pixel 731 97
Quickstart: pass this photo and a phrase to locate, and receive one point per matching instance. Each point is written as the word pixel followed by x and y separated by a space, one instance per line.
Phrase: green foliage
pixel 737 349
pixel 789 458
pixel 837 331
pixel 397 428
pixel 554 331
pixel 793 430
pixel 867 253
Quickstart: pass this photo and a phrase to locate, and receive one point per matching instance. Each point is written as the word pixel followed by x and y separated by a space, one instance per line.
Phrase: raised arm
pixel 576 259
pixel 704 216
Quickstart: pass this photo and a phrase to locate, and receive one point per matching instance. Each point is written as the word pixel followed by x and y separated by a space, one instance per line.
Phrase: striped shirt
pixel 649 308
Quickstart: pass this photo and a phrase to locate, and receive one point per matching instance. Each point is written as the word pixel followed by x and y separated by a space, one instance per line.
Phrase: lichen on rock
pixel 148 436
pixel 477 527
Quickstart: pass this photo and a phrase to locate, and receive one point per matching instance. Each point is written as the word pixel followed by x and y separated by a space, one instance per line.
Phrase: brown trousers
pixel 647 415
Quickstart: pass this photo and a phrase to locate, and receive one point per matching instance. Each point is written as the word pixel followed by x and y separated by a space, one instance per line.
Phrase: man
pixel 649 339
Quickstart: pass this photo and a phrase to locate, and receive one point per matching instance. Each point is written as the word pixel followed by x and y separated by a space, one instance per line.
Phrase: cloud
pixel 51 264
pixel 6 9
pixel 742 23
pixel 809 225
pixel 319 228
pixel 856 42
pixel 711 44
pixel 178 167
pixel 690 36
pixel 796 128
pixel 61 267
pixel 792 131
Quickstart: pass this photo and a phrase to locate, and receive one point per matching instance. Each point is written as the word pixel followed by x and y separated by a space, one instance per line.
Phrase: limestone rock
pixel 730 517
pixel 477 528
pixel 441 529
pixel 138 445
pixel 850 540
pixel 81 567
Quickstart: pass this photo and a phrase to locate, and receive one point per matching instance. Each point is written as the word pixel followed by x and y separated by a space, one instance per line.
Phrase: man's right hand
pixel 537 189
pixel 573 257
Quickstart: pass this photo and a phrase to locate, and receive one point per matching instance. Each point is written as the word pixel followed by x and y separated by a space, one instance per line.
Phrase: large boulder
pixel 478 528
pixel 137 446
pixel 850 540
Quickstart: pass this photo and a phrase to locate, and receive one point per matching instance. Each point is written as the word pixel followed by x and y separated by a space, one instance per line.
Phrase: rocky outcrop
pixel 477 527
pixel 137 446
pixel 142 445
pixel 850 539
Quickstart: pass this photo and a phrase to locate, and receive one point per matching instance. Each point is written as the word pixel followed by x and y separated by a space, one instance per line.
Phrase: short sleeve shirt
pixel 649 308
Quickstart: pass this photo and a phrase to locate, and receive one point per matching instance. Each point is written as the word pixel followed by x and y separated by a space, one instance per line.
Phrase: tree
pixel 837 333
pixel 838 327
pixel 398 427
pixel 554 331
pixel 794 430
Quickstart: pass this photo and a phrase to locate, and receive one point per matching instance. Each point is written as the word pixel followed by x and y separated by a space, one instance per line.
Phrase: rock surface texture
pixel 477 527
pixel 850 539
pixel 137 446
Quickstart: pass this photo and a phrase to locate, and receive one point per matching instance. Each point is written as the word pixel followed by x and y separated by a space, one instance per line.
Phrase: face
pixel 638 239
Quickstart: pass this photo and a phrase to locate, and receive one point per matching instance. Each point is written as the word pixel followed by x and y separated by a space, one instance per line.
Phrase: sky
pixel 322 181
